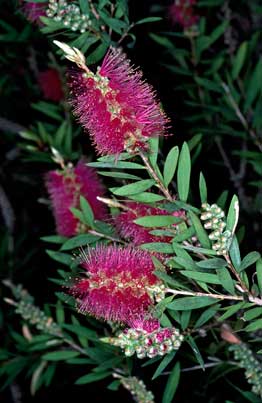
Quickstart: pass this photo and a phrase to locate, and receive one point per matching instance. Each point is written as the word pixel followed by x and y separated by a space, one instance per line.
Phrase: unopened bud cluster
pixel 253 368
pixel 144 344
pixel 19 292
pixel 69 15
pixel 137 389
pixel 214 218
pixel 38 318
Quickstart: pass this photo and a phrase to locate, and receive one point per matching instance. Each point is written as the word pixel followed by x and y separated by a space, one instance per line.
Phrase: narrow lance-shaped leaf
pixel 200 231
pixel 202 188
pixel 157 221
pixel 170 165
pixel 233 214
pixel 153 150
pixel 183 173
pixel 87 211
pixel 172 384
pixel 186 303
pixel 259 274
pixel 239 60
pixel 249 259
pixel 163 364
pixel 226 280
pixel 133 188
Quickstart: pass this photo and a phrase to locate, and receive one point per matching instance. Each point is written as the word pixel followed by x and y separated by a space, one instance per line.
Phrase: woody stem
pixel 154 175
pixel 254 300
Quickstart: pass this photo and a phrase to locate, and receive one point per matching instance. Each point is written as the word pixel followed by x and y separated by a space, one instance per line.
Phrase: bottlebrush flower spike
pixel 51 85
pixel 182 12
pixel 115 105
pixel 65 188
pixel 137 234
pixel 33 11
pixel 119 286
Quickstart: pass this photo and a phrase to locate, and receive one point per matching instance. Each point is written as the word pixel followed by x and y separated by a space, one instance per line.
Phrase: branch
pixel 154 175
pixel 240 116
pixel 252 299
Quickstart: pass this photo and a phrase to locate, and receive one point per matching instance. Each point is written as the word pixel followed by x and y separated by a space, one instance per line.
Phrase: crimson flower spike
pixel 119 286
pixel 115 105
pixel 65 188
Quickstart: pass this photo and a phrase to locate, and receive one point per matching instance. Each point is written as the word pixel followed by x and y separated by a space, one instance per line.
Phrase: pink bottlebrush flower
pixel 65 188
pixel 119 286
pixel 148 325
pixel 182 12
pixel 51 85
pixel 117 108
pixel 33 11
pixel 136 233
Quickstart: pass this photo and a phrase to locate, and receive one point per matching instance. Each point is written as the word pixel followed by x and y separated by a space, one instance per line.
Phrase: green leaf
pixel 184 235
pixel 54 239
pixel 185 262
pixel 93 377
pixel 234 253
pixel 231 310
pixel 97 54
pixel 163 41
pixel 254 85
pixel 233 214
pixel 121 175
pixel 163 364
pixel 166 278
pixel 259 274
pixel 185 319
pixel 214 263
pixel 196 351
pixel 77 213
pixel 221 201
pixel 200 231
pixel 60 257
pixel 153 150
pixel 116 165
pixel 79 240
pixel 249 259
pixel 253 313
pixel 133 188
pixel 36 377
pixel 60 355
pixel 226 280
pixel 208 84
pixel 114 385
pixel 199 250
pixel 161 247
pixel 183 173
pixel 87 211
pixel 172 384
pixel 218 31
pixel 202 188
pixel 170 165
pixel 81 331
pixel 206 316
pixel 185 303
pixel 60 313
pixel 239 60
pixel 157 221
pixel 146 197
pixel 148 19
pixel 204 277
pixel 252 327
